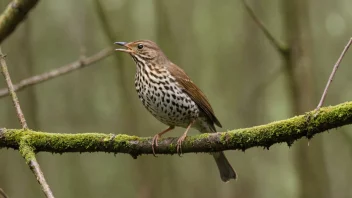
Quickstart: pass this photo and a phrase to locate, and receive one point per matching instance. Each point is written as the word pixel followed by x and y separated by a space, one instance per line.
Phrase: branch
pixel 28 154
pixel 336 66
pixel 9 84
pixel 84 62
pixel 27 151
pixel 15 13
pixel 283 50
pixel 265 136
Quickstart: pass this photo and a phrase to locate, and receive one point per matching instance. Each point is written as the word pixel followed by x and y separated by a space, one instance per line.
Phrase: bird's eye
pixel 140 46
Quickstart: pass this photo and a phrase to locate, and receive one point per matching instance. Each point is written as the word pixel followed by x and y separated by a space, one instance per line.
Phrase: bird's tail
pixel 225 168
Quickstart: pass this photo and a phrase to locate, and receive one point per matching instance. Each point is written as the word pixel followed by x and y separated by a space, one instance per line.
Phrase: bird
pixel 169 94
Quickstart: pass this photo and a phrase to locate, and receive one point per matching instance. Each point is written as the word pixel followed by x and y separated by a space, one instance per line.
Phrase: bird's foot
pixel 179 144
pixel 155 143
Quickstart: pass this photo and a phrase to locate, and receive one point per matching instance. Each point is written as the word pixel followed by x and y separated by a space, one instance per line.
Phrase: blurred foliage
pixel 223 51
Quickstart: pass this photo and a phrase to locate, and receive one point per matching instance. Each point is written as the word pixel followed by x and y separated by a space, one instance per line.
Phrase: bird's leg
pixel 157 136
pixel 182 138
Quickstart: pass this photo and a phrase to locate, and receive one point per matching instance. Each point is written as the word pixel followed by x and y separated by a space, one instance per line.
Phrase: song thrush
pixel 171 97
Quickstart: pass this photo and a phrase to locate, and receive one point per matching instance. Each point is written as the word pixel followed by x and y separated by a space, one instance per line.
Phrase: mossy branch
pixel 265 136
pixel 26 149
pixel 15 12
pixel 28 153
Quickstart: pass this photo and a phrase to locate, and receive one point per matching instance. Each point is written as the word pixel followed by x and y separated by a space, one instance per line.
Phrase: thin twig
pixel 34 166
pixel 278 46
pixel 81 63
pixel 336 66
pixel 12 92
pixel 27 152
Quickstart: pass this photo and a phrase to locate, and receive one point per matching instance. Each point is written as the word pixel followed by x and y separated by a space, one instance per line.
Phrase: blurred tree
pixel 299 69
pixel 223 51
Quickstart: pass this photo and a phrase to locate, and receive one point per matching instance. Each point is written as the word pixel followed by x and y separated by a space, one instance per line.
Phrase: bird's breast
pixel 165 99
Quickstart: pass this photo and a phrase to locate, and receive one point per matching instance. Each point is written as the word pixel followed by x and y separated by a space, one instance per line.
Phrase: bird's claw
pixel 179 145
pixel 179 148
pixel 155 143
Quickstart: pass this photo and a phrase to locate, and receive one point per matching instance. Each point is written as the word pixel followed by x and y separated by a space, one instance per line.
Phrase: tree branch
pixel 28 154
pixel 33 80
pixel 9 84
pixel 283 50
pixel 265 136
pixel 27 151
pixel 15 13
pixel 336 66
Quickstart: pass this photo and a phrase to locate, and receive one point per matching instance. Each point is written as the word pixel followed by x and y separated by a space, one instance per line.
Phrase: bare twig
pixel 336 66
pixel 15 13
pixel 278 46
pixel 11 90
pixel 34 166
pixel 83 62
pixel 28 152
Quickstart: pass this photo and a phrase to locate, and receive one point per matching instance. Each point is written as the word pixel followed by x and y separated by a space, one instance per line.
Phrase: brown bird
pixel 171 97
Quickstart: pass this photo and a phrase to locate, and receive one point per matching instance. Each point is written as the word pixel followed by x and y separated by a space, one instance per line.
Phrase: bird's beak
pixel 128 49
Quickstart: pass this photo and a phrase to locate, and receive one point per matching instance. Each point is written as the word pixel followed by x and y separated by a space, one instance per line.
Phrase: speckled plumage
pixel 171 97
pixel 163 97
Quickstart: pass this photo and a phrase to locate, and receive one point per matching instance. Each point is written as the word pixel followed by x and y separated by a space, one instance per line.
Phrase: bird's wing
pixel 193 92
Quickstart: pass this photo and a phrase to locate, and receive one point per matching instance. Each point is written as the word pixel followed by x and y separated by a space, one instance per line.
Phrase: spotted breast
pixel 163 97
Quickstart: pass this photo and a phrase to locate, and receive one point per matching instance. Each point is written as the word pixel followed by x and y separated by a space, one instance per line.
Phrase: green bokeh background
pixel 225 54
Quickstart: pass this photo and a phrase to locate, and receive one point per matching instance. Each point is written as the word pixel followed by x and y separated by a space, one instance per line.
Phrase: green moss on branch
pixel 26 150
pixel 287 131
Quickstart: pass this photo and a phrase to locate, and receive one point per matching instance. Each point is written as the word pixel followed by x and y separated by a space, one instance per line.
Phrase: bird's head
pixel 141 49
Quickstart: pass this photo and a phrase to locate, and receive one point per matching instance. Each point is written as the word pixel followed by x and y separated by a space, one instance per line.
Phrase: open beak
pixel 124 44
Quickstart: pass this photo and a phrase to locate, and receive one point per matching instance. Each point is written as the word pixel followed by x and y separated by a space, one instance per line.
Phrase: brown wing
pixel 194 92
